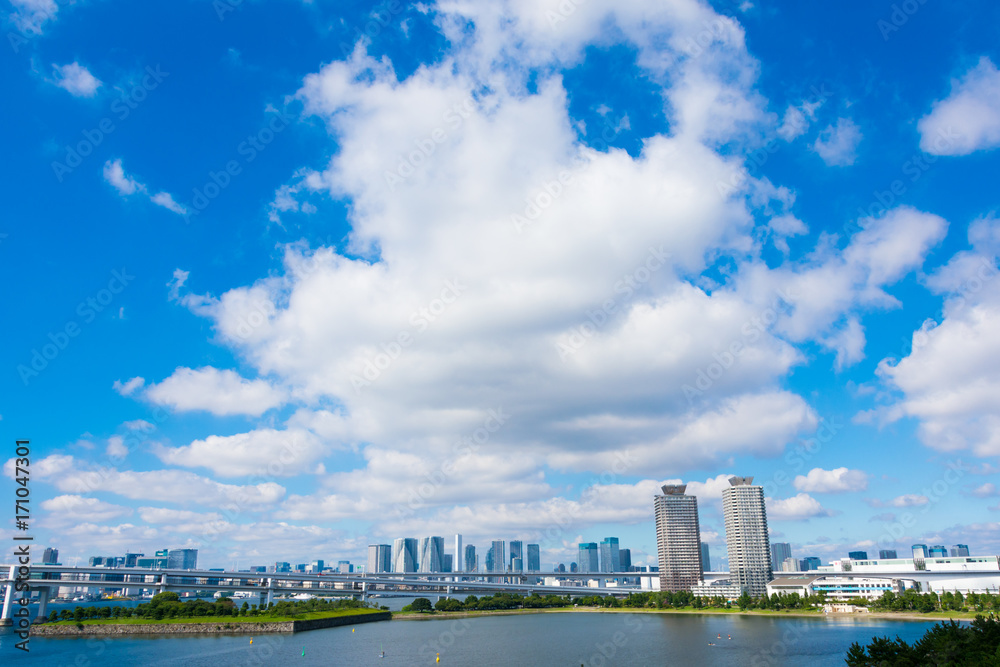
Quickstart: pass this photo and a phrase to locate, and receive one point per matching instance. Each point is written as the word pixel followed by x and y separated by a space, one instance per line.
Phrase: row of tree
pixel 169 605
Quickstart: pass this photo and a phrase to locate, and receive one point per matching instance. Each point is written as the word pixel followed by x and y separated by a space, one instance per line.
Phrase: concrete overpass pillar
pixel 163 582
pixel 43 602
pixel 270 592
pixel 8 598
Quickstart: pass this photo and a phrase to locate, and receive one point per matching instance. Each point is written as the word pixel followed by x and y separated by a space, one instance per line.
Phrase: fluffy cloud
pixel 114 173
pixel 129 386
pixel 906 500
pixel 838 480
pixel 968 119
pixel 73 509
pixel 261 452
pixel 31 15
pixel 219 392
pixel 76 80
pixel 837 145
pixel 797 508
pixel 949 380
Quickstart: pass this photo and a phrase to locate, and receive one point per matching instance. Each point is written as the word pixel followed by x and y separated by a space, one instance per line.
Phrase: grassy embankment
pixel 220 620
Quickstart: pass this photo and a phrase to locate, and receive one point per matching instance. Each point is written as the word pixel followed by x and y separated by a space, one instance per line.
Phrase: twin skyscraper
pixel 678 537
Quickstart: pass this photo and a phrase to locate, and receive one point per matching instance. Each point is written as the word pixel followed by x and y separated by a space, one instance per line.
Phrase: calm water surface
pixel 591 639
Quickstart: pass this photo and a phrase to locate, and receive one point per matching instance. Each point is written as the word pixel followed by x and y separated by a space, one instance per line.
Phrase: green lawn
pixel 222 620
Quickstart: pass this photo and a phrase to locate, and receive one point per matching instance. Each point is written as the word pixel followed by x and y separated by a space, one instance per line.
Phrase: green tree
pixel 421 604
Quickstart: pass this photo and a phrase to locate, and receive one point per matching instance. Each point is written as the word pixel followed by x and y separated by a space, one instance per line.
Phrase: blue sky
pixel 290 278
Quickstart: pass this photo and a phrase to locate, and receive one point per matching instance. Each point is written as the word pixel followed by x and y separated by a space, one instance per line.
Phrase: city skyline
pixel 500 270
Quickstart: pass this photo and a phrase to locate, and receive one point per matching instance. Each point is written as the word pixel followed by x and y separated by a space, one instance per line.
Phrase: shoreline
pixel 881 615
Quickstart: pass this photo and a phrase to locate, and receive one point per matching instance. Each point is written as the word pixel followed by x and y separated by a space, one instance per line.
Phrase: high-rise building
pixel 780 551
pixel 344 567
pixel 497 556
pixel 561 567
pixel 886 553
pixel 404 554
pixel 747 540
pixel 431 554
pixel 573 567
pixel 625 560
pixel 317 566
pixel 516 551
pixel 790 565
pixel 960 550
pixel 182 559
pixel 938 551
pixel 534 558
pixel 858 555
pixel 678 538
pixel 919 550
pixel 471 559
pixel 610 556
pixel 588 557
pixel 283 566
pixel 517 565
pixel 459 554
pixel 448 564
pixel 50 556
pixel 706 558
pixel 809 563
pixel 379 558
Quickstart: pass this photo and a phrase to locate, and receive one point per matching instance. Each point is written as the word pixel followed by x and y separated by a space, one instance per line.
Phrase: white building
pixel 723 588
pixel 747 540
pixel 837 588
pixel 968 574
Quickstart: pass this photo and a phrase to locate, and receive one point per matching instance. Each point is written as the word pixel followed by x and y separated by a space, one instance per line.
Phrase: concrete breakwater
pixel 203 628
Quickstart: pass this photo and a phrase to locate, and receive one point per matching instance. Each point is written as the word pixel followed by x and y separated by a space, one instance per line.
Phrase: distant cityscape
pixel 683 558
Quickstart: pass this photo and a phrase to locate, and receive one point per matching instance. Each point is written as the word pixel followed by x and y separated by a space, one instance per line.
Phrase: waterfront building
pixel 610 556
pixel 282 566
pixel 938 551
pixel 431 554
pixel 706 558
pixel 534 558
pixel 723 588
pixel 132 558
pixel 588 557
pixel 858 555
pixel 747 540
pixel 678 538
pixel 404 554
pixel 885 554
pixel 459 554
pixel 780 551
pixel 471 559
pixel 50 556
pixel 919 550
pixel 182 559
pixel 836 588
pixel 960 550
pixel 379 558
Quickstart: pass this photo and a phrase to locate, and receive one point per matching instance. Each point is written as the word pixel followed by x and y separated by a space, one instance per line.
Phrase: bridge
pixel 47 579
pixel 978 574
